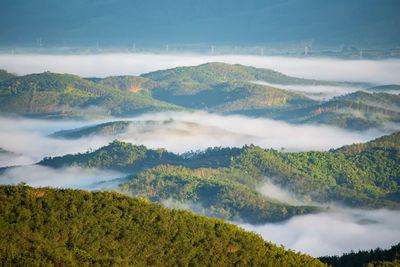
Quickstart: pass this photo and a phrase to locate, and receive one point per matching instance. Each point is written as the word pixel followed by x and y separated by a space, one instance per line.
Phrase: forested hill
pixel 51 94
pixel 217 72
pixel 64 227
pixel 360 175
pixel 213 87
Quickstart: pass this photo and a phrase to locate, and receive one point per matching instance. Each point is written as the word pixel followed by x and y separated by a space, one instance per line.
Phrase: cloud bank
pixel 200 130
pixel 335 232
pixel 316 92
pixel 28 140
pixel 176 131
pixel 72 177
pixel 378 72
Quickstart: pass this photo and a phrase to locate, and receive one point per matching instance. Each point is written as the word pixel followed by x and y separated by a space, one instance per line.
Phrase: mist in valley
pixel 335 232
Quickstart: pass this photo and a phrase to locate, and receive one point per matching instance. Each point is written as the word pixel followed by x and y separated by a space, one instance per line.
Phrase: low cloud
pixel 178 132
pixel 192 131
pixel 316 92
pixel 378 72
pixel 28 139
pixel 71 177
pixel 334 233
pixel 271 190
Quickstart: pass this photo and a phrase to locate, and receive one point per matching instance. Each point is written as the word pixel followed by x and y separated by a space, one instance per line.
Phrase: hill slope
pixel 356 111
pixel 66 95
pixel 220 192
pixel 363 175
pixel 43 226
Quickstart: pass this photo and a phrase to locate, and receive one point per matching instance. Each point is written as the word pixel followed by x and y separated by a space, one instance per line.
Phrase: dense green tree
pixel 64 227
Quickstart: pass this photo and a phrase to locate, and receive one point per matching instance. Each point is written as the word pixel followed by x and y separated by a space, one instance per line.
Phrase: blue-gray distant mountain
pixel 363 23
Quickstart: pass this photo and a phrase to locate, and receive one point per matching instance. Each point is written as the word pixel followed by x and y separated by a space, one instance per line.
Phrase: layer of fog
pixel 317 92
pixel 71 177
pixel 271 190
pixel 200 130
pixel 176 131
pixel 378 72
pixel 334 233
pixel 28 140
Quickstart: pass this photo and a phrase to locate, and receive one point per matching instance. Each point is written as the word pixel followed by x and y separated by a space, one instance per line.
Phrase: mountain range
pixel 212 87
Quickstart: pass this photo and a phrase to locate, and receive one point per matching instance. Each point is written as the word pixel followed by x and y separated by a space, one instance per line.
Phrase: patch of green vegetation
pixel 47 227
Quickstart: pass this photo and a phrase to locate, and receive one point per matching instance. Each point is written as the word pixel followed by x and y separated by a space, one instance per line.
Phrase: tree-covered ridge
pixel 44 226
pixel 370 177
pixel 213 87
pixel 225 88
pixel 217 72
pixel 231 97
pixel 51 93
pixel 380 100
pixel 356 111
pixel 363 175
pixel 128 157
pixel 221 191
pixel 378 257
pixel 211 192
pixel 107 128
pixel 5 75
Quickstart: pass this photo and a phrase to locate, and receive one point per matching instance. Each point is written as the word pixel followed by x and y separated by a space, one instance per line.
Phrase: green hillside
pixel 212 87
pixel 64 227
pixel 222 192
pixel 369 177
pixel 360 175
pixel 228 89
pixel 356 111
pixel 128 83
pixel 69 95
pixel 225 88
pixel 216 72
pixel 108 129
